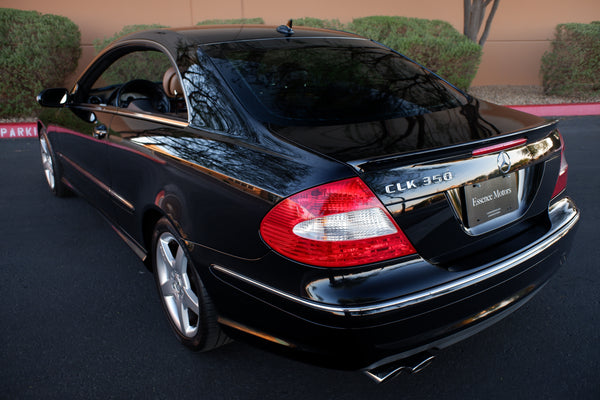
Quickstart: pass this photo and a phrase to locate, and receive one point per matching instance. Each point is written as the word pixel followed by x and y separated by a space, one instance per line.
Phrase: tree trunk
pixel 474 14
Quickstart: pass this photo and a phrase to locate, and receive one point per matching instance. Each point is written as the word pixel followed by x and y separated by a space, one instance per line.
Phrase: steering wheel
pixel 142 91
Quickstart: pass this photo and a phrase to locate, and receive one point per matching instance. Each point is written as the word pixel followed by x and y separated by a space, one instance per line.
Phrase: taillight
pixel 561 181
pixel 338 224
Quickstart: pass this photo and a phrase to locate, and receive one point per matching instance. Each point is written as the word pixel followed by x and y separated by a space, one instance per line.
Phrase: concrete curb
pixel 559 110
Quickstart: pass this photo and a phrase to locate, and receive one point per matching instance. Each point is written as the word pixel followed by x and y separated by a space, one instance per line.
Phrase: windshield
pixel 328 81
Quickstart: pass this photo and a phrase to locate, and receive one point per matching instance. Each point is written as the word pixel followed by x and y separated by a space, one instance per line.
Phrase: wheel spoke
pixel 180 264
pixel 190 300
pixel 47 163
pixel 165 253
pixel 184 320
pixel 44 147
pixel 168 288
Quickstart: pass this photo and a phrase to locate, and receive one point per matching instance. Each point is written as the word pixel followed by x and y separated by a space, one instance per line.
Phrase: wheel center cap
pixel 177 283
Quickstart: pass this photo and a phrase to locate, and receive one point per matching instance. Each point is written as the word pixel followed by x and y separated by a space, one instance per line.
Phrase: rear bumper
pixel 349 333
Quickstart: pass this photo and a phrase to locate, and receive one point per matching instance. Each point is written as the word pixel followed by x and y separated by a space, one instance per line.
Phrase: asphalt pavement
pixel 80 318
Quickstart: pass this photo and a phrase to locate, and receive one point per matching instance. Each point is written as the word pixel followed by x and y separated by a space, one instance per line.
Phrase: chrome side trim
pixel 137 249
pixel 152 118
pixel 321 307
pixel 159 119
pixel 97 108
pixel 254 332
pixel 564 216
pixel 98 182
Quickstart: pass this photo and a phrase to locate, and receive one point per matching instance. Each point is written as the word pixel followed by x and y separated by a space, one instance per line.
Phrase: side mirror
pixel 56 97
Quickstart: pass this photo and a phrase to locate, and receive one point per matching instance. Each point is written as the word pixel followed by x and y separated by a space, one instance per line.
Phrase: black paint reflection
pixel 470 122
pixel 259 173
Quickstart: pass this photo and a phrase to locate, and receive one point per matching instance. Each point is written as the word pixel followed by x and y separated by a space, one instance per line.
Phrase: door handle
pixel 100 131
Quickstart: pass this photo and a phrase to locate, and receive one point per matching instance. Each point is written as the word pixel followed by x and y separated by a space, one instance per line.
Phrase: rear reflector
pixel 338 224
pixel 499 146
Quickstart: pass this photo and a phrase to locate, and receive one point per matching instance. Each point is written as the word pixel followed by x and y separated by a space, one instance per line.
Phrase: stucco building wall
pixel 521 31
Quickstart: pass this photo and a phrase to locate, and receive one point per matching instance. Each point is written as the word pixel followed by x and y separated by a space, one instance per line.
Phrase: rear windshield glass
pixel 322 81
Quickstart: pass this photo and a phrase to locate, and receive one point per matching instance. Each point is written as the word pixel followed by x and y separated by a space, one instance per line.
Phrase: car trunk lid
pixel 457 182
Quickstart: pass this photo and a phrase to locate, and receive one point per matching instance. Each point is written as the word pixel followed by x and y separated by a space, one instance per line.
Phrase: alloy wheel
pixel 178 289
pixel 47 164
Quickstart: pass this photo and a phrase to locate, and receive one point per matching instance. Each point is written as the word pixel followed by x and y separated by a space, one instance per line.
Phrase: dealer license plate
pixel 491 199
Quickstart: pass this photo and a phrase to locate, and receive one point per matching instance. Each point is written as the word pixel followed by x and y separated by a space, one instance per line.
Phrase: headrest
pixel 172 84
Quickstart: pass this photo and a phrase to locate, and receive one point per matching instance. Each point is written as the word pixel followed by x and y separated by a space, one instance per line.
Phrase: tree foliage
pixel 319 23
pixel 244 21
pixel 100 44
pixel 572 64
pixel 37 51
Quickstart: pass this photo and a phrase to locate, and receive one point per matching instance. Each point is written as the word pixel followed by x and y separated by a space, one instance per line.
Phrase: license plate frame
pixel 490 199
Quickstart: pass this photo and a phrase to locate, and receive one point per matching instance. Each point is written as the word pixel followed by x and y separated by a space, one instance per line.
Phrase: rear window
pixel 322 81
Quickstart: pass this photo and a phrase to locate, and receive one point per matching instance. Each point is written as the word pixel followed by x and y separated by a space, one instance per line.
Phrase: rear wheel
pixel 188 306
pixel 51 168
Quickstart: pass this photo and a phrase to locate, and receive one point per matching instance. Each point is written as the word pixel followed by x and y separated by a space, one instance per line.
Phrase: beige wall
pixel 521 31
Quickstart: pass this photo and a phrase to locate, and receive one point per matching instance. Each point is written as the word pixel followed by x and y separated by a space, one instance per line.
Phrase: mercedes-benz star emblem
pixel 503 162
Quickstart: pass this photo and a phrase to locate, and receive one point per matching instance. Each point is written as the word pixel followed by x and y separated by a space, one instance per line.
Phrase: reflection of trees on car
pixel 210 108
pixel 339 83
pixel 229 162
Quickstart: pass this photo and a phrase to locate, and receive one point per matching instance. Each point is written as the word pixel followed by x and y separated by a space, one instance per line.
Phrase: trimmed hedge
pixel 247 21
pixel 433 43
pixel 319 23
pixel 100 44
pixel 37 51
pixel 133 65
pixel 572 65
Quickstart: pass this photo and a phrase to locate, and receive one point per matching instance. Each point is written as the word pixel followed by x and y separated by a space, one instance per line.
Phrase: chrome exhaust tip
pixel 408 366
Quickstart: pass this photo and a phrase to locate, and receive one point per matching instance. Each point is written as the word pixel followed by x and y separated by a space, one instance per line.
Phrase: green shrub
pixel 432 43
pixel 135 65
pixel 247 21
pixel 572 65
pixel 99 44
pixel 37 51
pixel 319 23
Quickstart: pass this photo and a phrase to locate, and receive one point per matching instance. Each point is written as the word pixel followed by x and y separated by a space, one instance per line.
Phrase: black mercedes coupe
pixel 311 191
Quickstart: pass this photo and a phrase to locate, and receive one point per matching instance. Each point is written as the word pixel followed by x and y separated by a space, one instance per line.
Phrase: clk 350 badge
pixel 415 183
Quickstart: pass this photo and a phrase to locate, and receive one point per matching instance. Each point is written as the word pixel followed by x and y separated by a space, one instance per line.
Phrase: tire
pixel 189 309
pixel 51 168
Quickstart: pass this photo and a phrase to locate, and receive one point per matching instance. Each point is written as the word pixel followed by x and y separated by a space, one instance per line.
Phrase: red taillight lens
pixel 338 224
pixel 561 181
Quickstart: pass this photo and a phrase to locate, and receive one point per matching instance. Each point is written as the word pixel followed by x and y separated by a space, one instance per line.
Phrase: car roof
pixel 207 34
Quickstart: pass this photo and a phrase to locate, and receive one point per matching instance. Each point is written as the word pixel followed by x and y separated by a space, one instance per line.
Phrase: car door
pixel 144 107
pixel 80 133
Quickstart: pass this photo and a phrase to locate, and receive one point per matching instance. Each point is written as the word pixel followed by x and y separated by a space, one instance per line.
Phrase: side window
pixel 141 81
pixel 148 65
pixel 210 106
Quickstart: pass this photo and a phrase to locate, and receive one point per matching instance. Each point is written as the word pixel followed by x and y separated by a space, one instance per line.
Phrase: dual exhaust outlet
pixel 410 365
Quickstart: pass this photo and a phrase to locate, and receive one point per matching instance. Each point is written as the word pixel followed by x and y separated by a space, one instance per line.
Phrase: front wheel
pixel 51 168
pixel 188 306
